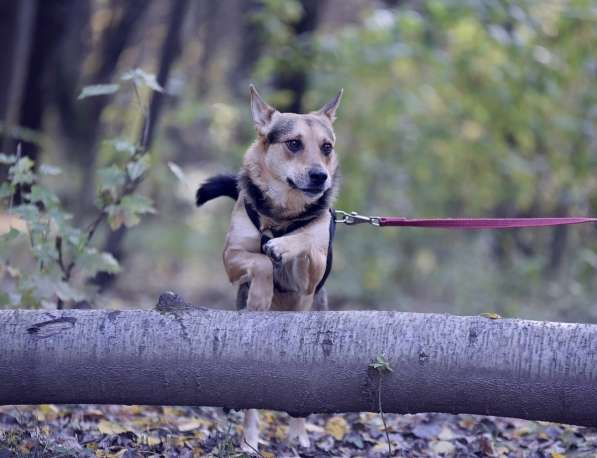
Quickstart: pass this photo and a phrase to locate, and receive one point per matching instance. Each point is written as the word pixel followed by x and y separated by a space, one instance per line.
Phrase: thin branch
pixel 383 420
pixel 129 187
pixel 12 195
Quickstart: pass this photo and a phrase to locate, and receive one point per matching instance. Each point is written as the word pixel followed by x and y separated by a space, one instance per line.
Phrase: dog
pixel 278 247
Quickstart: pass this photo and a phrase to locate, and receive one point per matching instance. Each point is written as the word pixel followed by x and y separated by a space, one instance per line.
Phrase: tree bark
pixel 300 362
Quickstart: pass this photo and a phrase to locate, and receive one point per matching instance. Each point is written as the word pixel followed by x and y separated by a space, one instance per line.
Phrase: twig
pixel 381 414
pixel 128 187
pixel 146 122
pixel 381 365
pixel 12 195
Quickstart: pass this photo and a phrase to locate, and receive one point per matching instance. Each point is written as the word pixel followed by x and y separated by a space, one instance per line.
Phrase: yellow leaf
pixel 491 315
pixel 337 427
pixel 281 432
pixel 443 447
pixel 47 408
pixel 46 412
pixel 189 424
pixel 93 412
pixel 170 411
pixel 557 455
pixel 446 434
pixel 149 440
pixel 108 427
pixel 381 447
pixel 267 416
pixel 133 410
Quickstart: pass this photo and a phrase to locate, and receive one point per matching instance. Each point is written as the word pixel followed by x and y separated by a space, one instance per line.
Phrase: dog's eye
pixel 326 148
pixel 294 145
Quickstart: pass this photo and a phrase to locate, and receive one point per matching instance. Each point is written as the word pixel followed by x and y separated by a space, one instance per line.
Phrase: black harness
pixel 266 236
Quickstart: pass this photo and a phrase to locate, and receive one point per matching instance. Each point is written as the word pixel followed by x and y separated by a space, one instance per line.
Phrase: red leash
pixel 457 223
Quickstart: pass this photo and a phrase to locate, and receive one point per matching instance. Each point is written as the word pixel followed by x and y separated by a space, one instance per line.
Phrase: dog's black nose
pixel 317 176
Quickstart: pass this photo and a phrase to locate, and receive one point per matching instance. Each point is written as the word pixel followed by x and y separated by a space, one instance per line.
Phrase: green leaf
pixel 28 212
pixel 128 211
pixel 138 204
pixel 74 236
pixel 67 293
pixel 124 146
pixel 92 262
pixel 6 190
pixel 141 78
pixel 111 179
pixel 45 251
pixel 137 168
pixel 49 287
pixel 51 170
pixel 381 364
pixel 43 195
pixel 6 240
pixel 116 216
pixel 98 89
pixel 8 159
pixel 22 171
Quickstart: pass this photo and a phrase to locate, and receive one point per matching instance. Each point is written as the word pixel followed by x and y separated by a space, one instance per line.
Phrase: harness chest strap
pixel 266 236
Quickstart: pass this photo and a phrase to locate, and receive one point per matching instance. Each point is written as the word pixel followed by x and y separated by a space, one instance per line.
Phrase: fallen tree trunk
pixel 300 362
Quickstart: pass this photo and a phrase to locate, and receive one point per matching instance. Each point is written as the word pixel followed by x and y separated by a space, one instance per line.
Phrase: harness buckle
pixel 353 218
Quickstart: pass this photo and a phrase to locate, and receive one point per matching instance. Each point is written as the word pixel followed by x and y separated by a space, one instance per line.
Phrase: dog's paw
pixel 272 251
pixel 258 306
pixel 281 250
pixel 297 433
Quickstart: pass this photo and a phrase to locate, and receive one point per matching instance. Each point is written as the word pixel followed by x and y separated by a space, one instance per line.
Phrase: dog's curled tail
pixel 217 186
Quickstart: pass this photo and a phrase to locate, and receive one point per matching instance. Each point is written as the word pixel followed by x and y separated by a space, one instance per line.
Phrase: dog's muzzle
pixel 316 183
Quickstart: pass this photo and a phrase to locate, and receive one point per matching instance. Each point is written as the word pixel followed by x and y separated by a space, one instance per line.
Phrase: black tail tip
pixel 200 197
pixel 217 186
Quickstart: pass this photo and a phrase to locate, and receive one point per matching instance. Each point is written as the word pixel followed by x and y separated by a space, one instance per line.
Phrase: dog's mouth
pixel 311 191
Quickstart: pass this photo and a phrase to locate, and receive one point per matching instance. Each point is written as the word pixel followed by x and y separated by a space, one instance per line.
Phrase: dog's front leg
pixel 255 268
pixel 250 439
pixel 297 431
pixel 305 260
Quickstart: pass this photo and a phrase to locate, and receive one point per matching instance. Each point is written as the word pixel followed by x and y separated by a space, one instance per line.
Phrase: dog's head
pixel 298 149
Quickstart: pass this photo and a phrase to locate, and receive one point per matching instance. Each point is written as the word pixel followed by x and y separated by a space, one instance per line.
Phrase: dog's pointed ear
pixel 261 111
pixel 329 109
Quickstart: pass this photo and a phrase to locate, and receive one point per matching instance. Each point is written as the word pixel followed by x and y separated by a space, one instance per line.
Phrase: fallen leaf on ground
pixel 444 447
pixel 108 427
pixel 337 427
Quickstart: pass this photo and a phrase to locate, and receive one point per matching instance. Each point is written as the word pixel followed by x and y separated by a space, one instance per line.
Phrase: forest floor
pixel 148 431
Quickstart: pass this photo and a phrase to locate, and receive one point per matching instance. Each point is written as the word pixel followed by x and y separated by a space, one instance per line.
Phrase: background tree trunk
pixel 81 119
pixel 300 362
pixel 16 22
pixel 171 49
pixel 289 76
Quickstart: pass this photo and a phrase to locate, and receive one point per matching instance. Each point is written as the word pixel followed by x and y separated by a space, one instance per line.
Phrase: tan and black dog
pixel 278 246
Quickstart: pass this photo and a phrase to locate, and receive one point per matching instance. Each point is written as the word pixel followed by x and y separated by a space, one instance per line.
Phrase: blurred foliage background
pixel 451 108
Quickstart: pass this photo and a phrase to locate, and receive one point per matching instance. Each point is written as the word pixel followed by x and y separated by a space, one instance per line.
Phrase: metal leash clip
pixel 353 218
